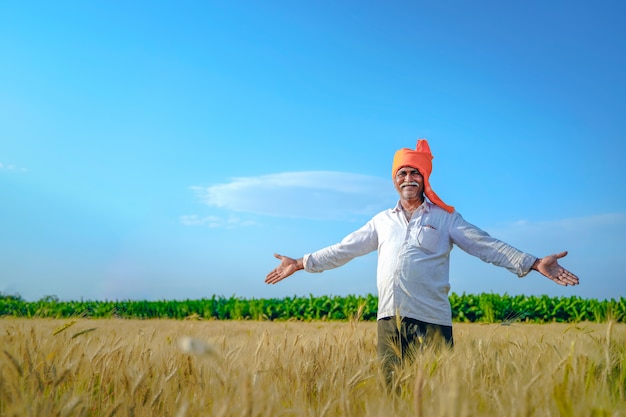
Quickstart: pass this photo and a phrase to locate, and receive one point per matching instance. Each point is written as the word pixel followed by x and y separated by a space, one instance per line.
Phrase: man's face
pixel 409 183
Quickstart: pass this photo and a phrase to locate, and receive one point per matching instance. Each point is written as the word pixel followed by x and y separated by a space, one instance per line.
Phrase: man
pixel 414 240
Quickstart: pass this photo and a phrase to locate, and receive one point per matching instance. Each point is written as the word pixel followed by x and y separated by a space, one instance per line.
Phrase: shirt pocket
pixel 428 239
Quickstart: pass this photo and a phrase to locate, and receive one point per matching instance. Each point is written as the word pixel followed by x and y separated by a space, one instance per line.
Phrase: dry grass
pixel 137 368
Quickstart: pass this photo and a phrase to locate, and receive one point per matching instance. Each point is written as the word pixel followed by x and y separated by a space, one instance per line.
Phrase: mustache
pixel 404 184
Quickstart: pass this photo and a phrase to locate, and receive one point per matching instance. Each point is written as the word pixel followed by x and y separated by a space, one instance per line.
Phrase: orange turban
pixel 420 158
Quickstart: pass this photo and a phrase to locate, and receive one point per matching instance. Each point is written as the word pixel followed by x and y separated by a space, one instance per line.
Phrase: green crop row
pixel 487 308
pixel 495 308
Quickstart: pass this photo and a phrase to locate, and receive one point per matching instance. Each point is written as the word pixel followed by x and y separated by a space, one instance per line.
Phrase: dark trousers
pixel 399 339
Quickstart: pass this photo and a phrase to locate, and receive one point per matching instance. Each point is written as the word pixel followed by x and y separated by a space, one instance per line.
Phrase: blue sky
pixel 166 150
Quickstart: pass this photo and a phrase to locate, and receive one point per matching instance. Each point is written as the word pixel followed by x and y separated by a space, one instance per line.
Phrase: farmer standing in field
pixel 414 240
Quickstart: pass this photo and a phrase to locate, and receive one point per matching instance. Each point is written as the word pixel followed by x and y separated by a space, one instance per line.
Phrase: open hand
pixel 286 268
pixel 549 267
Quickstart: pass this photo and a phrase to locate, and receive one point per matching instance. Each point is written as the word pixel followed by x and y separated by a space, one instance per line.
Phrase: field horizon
pixel 482 307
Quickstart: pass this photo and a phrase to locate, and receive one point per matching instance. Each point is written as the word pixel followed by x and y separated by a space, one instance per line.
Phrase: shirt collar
pixel 426 206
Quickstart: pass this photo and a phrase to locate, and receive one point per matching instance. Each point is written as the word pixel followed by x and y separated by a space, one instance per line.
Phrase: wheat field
pixel 152 368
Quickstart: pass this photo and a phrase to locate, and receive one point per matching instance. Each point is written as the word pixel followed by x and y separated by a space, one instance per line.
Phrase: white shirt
pixel 414 258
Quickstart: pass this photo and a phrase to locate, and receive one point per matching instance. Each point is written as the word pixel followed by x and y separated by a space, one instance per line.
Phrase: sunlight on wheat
pixel 228 368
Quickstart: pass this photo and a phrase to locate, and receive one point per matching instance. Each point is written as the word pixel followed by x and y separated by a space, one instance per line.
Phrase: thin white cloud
pixel 597 233
pixel 308 194
pixel 214 221
pixel 11 167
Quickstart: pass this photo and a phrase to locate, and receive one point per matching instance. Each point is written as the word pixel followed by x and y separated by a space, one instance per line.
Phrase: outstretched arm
pixel 286 268
pixel 550 268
